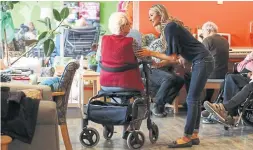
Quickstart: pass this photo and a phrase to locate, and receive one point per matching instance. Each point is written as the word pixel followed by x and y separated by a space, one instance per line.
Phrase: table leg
pixel 94 87
pixel 5 141
pixel 98 84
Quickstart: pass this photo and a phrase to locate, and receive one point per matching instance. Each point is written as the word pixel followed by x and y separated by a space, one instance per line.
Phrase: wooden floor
pixel 213 137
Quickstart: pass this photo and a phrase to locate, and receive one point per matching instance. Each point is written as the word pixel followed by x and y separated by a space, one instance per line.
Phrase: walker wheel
pixel 89 137
pixel 135 140
pixel 153 133
pixel 108 131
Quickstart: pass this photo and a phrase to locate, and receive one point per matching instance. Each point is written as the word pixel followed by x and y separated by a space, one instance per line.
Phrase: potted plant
pixel 92 62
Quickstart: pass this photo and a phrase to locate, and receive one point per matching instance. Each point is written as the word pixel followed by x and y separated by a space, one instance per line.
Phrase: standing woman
pixel 179 41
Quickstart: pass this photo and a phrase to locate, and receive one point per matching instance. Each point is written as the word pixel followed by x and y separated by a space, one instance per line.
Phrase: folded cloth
pixel 19 117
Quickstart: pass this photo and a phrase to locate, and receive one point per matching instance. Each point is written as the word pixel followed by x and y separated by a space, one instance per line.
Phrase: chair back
pixel 65 86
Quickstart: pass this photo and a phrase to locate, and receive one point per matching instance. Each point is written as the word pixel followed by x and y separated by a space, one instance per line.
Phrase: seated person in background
pixel 221 110
pixel 117 50
pixel 31 34
pixel 219 48
pixel 235 82
pixel 81 22
pixel 165 83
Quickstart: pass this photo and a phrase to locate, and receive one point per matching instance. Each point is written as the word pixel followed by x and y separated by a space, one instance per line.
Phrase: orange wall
pixel 231 17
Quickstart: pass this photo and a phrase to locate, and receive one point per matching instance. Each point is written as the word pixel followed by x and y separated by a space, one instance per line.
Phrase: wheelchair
pixel 244 111
pixel 110 114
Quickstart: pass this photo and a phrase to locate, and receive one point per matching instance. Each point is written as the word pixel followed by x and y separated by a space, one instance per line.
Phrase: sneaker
pixel 208 121
pixel 159 111
pixel 217 109
pixel 205 114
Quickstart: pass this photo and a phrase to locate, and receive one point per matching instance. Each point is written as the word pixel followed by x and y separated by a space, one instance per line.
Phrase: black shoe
pixel 159 111
pixel 125 135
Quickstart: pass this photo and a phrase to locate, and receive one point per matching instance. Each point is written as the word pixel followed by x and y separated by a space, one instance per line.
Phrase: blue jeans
pixel 201 69
pixel 233 84
pixel 166 85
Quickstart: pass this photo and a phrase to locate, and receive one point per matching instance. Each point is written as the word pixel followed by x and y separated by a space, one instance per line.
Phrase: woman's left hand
pixel 143 53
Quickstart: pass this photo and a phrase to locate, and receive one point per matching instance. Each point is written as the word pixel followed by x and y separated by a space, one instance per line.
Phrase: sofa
pixel 46 136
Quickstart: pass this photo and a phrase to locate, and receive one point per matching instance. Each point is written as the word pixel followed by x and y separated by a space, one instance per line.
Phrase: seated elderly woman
pixel 117 51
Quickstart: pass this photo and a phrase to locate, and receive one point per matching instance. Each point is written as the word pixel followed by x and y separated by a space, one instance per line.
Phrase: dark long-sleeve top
pixel 181 42
pixel 219 48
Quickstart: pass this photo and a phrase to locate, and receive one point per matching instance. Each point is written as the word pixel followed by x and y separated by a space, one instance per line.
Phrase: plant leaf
pixel 42 21
pixel 64 13
pixel 48 47
pixel 66 26
pixel 42 35
pixel 57 15
pixel 15 2
pixel 10 4
pixel 52 35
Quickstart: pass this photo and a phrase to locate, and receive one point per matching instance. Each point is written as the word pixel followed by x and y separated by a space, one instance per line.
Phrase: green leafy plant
pixel 92 59
pixel 7 5
pixel 46 37
pixel 6 25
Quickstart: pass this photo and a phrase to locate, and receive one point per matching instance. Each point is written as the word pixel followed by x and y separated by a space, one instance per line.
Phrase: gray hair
pixel 116 21
pixel 210 27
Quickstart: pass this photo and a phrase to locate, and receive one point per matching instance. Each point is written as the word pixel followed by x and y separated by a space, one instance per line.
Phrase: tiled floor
pixel 213 137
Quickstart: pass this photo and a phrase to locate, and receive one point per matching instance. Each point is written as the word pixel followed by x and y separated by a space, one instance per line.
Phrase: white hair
pixel 210 27
pixel 116 21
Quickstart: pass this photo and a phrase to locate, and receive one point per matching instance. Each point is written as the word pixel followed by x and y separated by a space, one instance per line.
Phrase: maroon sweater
pixel 116 51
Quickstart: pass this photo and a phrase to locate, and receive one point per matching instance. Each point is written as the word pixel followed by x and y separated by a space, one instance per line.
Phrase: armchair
pixel 61 97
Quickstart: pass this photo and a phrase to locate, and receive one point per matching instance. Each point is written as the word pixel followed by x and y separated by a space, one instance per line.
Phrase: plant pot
pixel 93 67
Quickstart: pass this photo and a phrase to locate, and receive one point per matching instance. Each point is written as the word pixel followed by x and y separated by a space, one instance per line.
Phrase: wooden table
pixel 95 77
pixel 5 141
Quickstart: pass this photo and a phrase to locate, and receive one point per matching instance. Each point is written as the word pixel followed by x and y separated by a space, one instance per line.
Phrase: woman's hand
pixel 143 53
pixel 181 61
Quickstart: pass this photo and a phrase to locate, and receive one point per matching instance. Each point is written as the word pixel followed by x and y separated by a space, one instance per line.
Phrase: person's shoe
pixel 205 114
pixel 181 143
pixel 159 111
pixel 208 121
pixel 125 135
pixel 217 109
pixel 195 139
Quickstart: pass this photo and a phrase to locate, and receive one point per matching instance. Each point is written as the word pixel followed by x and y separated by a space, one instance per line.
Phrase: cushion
pixel 47 72
pixel 33 93
pixel 53 83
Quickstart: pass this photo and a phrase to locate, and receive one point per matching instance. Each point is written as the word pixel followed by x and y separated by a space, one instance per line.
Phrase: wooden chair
pixel 61 99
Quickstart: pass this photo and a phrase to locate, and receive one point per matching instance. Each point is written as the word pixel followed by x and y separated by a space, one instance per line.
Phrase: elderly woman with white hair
pixel 178 41
pixel 117 51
